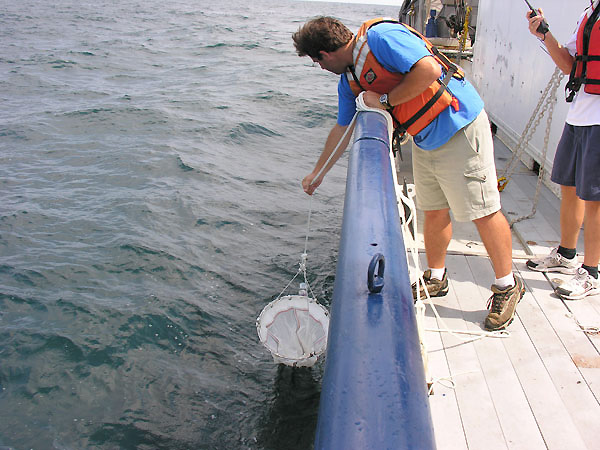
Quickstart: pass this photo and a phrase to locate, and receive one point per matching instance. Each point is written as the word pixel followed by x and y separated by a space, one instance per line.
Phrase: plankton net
pixel 294 327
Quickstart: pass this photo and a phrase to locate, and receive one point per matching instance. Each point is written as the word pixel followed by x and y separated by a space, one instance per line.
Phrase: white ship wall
pixel 511 69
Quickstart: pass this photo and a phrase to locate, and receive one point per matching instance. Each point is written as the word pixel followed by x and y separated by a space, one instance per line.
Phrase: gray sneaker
pixel 554 262
pixel 581 285
pixel 435 287
pixel 503 304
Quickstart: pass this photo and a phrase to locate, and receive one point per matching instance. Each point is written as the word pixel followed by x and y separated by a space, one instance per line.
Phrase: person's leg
pixel 591 234
pixel 437 232
pixel 587 154
pixel 563 258
pixel 585 282
pixel 572 210
pixel 507 289
pixel 588 189
pixel 471 187
pixel 437 228
pixel 473 196
pixel 497 239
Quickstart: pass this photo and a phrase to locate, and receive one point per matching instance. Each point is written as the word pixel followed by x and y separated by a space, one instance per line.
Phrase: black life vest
pixel 586 67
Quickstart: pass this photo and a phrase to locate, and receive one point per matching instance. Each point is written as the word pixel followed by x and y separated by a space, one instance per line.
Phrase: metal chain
pixel 536 116
pixel 546 103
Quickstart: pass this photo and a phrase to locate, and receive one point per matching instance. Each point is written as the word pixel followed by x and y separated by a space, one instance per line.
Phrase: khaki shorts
pixel 460 175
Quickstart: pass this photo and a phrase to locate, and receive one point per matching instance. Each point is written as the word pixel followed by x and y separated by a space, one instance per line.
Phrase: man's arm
pixel 559 54
pixel 424 72
pixel 314 179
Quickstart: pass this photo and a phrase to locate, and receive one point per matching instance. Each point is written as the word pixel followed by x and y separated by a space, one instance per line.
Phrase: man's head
pixel 325 40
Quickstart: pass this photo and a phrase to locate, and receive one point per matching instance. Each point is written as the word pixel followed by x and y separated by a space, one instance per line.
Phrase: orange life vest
pixel 586 67
pixel 418 112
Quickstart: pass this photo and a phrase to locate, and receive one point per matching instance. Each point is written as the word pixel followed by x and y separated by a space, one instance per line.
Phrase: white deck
pixel 539 388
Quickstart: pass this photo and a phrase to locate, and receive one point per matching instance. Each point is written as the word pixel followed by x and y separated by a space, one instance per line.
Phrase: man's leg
pixel 437 232
pixel 586 157
pixel 564 173
pixel 591 234
pixel 564 258
pixel 496 236
pixel 585 282
pixel 572 210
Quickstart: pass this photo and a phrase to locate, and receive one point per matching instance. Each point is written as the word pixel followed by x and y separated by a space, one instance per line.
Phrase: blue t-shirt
pixel 397 49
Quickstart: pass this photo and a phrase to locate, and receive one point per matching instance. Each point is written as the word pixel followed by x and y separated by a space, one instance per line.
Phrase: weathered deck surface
pixel 538 388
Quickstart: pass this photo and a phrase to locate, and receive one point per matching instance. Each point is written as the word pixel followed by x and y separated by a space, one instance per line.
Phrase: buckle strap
pixel 586 58
pixel 443 86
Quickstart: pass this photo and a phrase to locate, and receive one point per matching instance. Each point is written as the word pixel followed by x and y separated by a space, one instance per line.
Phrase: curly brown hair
pixel 321 34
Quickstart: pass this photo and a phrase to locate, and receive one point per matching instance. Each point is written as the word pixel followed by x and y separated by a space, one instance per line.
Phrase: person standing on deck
pixel 453 161
pixel 576 165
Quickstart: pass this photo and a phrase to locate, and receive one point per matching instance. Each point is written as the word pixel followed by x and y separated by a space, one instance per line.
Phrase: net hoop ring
pixel 316 311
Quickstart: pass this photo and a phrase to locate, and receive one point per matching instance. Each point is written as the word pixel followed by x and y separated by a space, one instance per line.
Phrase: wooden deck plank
pixel 538 233
pixel 589 308
pixel 586 313
pixel 479 418
pixel 539 388
pixel 516 417
pixel 535 381
pixel 579 402
pixel 445 414
pixel 447 422
pixel 564 321
pixel 539 239
pixel 556 425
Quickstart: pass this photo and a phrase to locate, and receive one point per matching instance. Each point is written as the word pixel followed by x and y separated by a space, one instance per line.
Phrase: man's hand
pixel 310 184
pixel 534 23
pixel 371 99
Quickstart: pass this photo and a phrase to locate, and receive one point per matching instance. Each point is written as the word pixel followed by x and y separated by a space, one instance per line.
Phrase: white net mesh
pixel 294 328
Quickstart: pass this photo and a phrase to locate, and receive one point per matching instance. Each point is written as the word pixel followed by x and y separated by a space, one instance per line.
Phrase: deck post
pixel 374 394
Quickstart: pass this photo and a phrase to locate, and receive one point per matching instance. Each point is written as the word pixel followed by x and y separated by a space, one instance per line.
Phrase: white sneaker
pixel 554 262
pixel 581 285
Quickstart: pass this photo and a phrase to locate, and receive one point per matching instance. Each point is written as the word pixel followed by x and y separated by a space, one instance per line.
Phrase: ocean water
pixel 151 155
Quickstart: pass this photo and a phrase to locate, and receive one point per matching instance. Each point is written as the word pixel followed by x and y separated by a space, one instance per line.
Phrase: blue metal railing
pixel 374 394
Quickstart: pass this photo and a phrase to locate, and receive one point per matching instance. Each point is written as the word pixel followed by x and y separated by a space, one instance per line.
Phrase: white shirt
pixel 585 109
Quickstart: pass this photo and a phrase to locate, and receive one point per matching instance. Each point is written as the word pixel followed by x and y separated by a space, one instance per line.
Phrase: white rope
pixel 360 106
pixel 337 147
pixel 308 224
pixel 447 381
pixel 303 259
pixel 587 329
pixel 302 271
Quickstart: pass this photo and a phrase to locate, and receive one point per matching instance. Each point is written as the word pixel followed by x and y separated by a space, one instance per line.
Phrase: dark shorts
pixel 577 161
